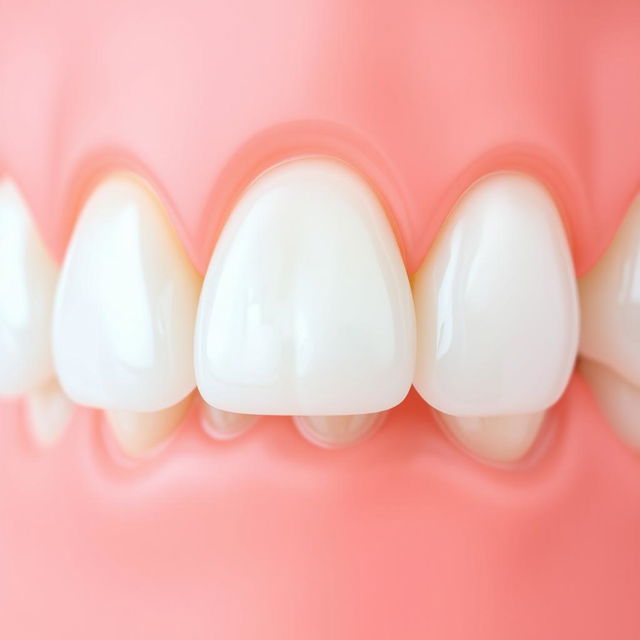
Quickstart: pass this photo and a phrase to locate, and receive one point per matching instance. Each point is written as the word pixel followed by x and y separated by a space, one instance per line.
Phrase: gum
pixel 268 536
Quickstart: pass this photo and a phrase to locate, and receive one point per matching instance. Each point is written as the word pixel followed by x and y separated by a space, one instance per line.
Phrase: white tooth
pixel 497 438
pixel 225 425
pixel 27 284
pixel 49 412
pixel 610 299
pixel 306 307
pixel 618 399
pixel 496 304
pixel 139 434
pixel 125 308
pixel 497 312
pixel 338 431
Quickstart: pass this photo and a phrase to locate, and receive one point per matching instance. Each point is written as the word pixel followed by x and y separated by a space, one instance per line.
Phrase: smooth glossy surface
pixel 27 284
pixel 496 304
pixel 225 425
pixel 338 431
pixel 610 301
pixel 306 307
pixel 126 302
pixel 49 412
pixel 140 434
pixel 619 400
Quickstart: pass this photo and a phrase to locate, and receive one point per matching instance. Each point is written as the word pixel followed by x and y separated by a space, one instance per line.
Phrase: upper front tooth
pixel 125 307
pixel 306 307
pixel 27 283
pixel 610 300
pixel 496 304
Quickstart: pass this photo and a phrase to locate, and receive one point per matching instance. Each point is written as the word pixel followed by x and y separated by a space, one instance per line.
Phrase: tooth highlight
pixel 610 302
pixel 225 425
pixel 49 412
pixel 497 311
pixel 125 306
pixel 306 307
pixel 27 284
pixel 338 431
pixel 139 434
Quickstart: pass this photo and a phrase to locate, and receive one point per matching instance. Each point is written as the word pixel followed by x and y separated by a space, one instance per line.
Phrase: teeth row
pixel 306 310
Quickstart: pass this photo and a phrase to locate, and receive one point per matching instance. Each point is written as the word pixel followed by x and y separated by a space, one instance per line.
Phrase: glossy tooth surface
pixel 610 301
pixel 619 400
pixel 225 425
pixel 125 307
pixel 139 434
pixel 338 431
pixel 496 304
pixel 496 438
pixel 27 284
pixel 49 412
pixel 306 307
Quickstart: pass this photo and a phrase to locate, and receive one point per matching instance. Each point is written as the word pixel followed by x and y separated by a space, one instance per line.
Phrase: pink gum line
pixel 270 537
pixel 422 97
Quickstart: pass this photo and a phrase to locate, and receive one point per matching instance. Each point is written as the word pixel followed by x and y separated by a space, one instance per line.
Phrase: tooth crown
pixel 610 301
pixel 496 304
pixel 306 306
pixel 27 283
pixel 125 306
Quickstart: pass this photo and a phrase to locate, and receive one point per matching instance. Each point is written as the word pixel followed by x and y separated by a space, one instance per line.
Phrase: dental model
pixel 320 320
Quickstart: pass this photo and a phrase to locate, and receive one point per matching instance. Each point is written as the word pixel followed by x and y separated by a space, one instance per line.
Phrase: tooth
pixel 496 308
pixel 497 438
pixel 125 307
pixel 225 425
pixel 49 411
pixel 338 431
pixel 139 434
pixel 306 307
pixel 610 301
pixel 27 283
pixel 618 399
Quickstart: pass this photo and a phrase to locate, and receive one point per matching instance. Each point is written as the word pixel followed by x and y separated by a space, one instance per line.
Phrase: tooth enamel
pixel 49 412
pixel 306 307
pixel 618 399
pixel 125 306
pixel 338 431
pixel 496 305
pixel 27 284
pixel 610 301
pixel 225 425
pixel 138 434
pixel 497 438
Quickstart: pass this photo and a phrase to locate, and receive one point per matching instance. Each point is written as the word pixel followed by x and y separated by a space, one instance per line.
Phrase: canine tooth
pixel 619 400
pixel 497 310
pixel 138 434
pixel 338 431
pixel 27 284
pixel 306 307
pixel 125 307
pixel 610 300
pixel 49 411
pixel 496 438
pixel 225 425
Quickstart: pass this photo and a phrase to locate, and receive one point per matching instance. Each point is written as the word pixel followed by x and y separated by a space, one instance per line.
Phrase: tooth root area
pixel 27 283
pixel 610 302
pixel 495 438
pixel 496 304
pixel 338 431
pixel 49 412
pixel 139 434
pixel 618 399
pixel 226 425
pixel 125 306
pixel 306 306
